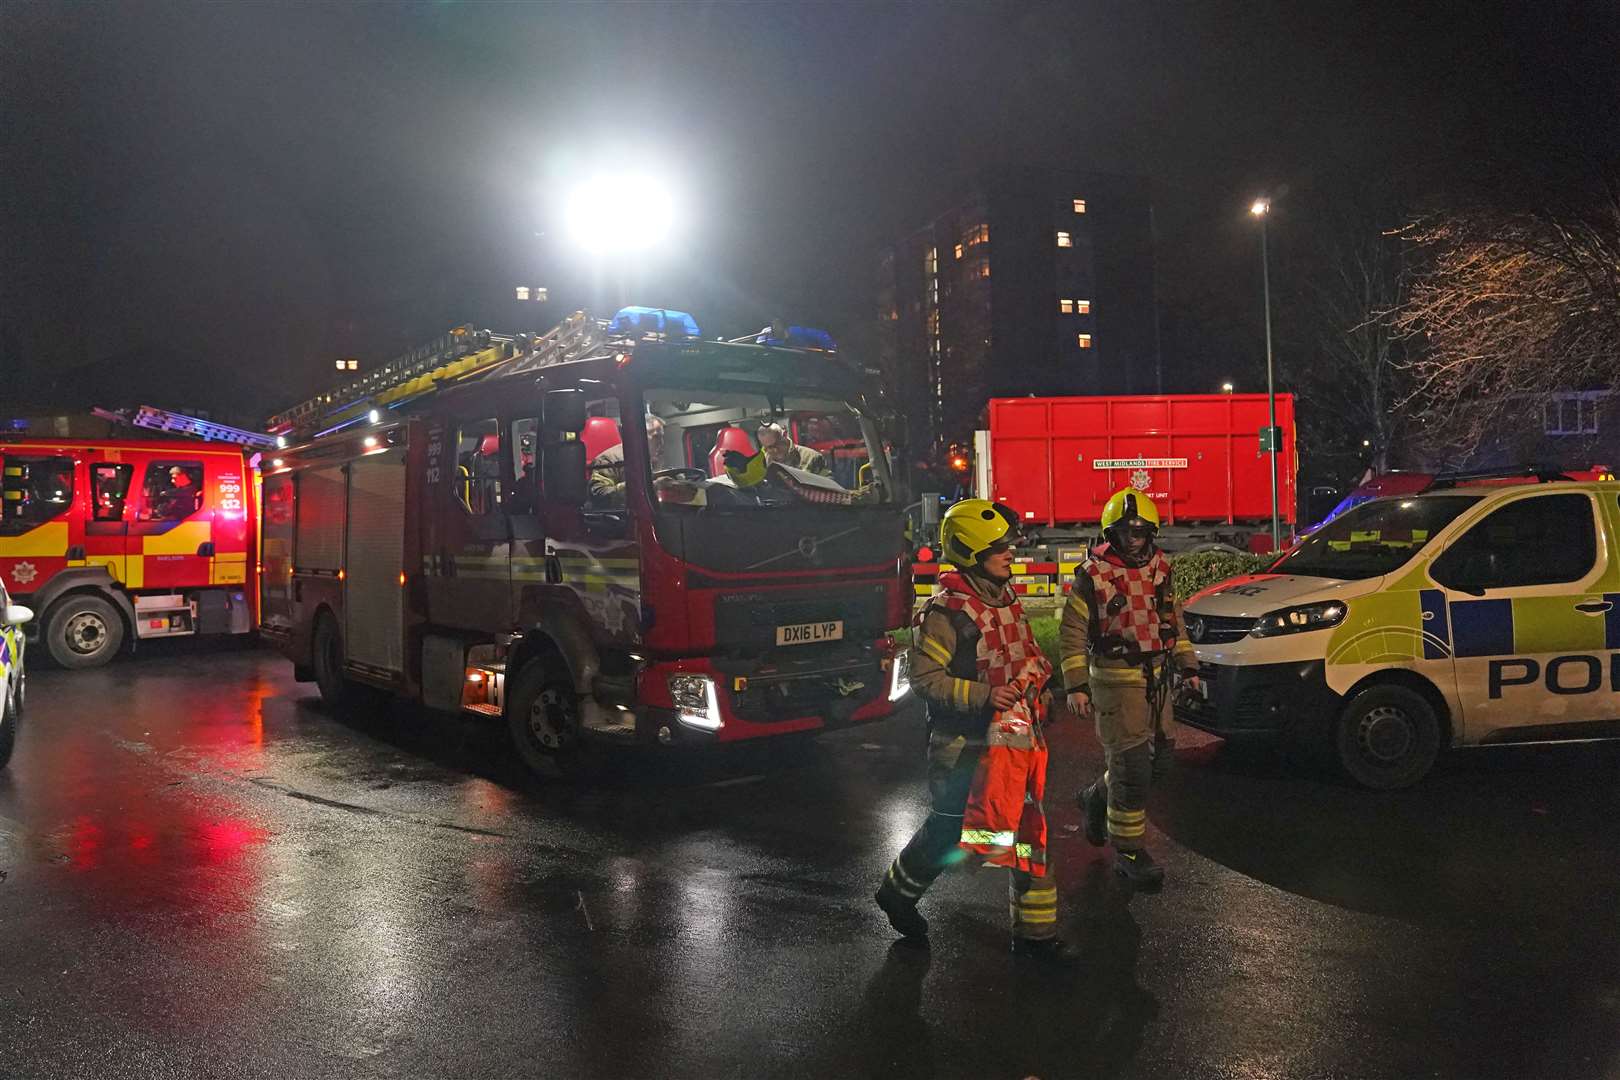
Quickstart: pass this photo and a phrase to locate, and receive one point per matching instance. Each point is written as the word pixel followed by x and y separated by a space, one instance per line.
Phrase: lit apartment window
pixel 522 292
pixel 1079 206
pixel 1082 307
pixel 958 251
pixel 976 234
pixel 931 261
pixel 1066 307
pixel 1570 414
pixel 981 269
pixel 1063 239
pixel 1083 340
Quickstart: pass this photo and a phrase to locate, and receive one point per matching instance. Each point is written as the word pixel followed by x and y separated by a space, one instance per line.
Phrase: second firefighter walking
pixel 1121 645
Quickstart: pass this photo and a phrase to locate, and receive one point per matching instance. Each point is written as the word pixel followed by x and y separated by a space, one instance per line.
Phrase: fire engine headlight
pixel 1296 620
pixel 900 675
pixel 696 702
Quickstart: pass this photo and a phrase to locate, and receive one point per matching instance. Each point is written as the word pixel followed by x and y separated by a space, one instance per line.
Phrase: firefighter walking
pixel 977 667
pixel 1120 642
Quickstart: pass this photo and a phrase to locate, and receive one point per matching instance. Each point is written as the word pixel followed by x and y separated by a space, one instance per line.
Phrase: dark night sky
pixel 212 201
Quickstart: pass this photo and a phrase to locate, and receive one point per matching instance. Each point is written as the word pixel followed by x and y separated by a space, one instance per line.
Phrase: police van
pixel 1464 616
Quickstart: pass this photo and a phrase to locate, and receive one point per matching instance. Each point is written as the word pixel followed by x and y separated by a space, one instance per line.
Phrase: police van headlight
pixel 696 702
pixel 1296 620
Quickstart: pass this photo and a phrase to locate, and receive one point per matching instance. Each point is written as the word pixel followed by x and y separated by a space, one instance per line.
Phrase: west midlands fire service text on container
pixel 1467 615
pixel 577 533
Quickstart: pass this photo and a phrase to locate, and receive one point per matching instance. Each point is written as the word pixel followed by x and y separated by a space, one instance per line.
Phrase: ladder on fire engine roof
pixel 461 355
pixel 174 423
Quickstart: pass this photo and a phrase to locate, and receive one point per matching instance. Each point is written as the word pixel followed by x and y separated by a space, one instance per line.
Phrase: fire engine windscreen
pixel 738 447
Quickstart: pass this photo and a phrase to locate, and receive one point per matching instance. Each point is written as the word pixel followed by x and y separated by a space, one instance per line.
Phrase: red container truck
pixel 1197 456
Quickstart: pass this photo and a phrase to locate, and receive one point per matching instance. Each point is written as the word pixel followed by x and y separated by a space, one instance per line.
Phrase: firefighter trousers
pixel 952 762
pixel 1126 728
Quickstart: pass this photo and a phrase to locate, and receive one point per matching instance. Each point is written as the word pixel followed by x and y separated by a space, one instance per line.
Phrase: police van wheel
pixel 543 721
pixel 83 631
pixel 1387 737
pixel 10 714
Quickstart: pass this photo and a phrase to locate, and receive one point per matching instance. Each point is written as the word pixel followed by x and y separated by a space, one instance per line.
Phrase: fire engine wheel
pixel 542 718
pixel 1387 737
pixel 327 660
pixel 83 631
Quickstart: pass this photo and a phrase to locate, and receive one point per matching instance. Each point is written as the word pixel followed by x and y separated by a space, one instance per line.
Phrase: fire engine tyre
pixel 326 648
pixel 543 721
pixel 1387 737
pixel 83 631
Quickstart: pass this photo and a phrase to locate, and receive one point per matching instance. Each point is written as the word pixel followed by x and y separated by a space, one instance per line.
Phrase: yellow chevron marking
pixel 184 539
pixel 45 540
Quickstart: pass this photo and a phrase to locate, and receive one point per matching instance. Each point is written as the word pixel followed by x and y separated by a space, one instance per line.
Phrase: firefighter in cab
pixel 780 449
pixel 1121 644
pixel 983 677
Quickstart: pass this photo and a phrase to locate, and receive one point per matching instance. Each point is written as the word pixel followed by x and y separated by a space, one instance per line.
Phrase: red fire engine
pixel 574 533
pixel 111 540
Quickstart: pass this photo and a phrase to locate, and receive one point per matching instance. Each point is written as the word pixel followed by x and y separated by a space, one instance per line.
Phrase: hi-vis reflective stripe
pixel 962 692
pixel 1127 822
pixel 1000 839
pixel 934 649
pixel 903 882
pixel 1079 660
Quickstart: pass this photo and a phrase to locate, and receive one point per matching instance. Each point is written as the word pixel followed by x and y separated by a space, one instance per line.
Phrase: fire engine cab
pixel 576 533
pixel 112 540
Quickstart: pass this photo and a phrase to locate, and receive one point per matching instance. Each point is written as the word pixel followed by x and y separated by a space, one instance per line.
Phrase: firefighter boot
pixel 1093 802
pixel 903 914
pixel 1138 868
pixel 1053 950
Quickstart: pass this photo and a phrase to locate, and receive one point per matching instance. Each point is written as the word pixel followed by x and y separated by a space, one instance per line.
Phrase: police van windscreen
pixel 1373 539
pixel 737 446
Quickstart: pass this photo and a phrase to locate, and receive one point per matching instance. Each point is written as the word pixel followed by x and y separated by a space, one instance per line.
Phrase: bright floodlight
pixel 620 213
pixel 1261 207
pixel 1227 388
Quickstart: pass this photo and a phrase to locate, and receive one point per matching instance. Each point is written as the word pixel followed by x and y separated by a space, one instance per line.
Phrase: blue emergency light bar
pixel 631 320
pixel 798 337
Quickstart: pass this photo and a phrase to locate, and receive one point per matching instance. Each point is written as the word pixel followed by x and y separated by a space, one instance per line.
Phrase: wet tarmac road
pixel 203 873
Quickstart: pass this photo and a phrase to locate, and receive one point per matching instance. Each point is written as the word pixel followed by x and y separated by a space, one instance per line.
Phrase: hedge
pixel 1195 570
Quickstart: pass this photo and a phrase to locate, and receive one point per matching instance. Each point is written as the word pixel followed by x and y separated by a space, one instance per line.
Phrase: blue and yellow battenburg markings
pixel 1526 624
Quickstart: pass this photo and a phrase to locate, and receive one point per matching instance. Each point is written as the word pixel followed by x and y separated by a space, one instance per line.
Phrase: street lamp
pixel 616 214
pixel 1262 210
pixel 1227 388
pixel 615 218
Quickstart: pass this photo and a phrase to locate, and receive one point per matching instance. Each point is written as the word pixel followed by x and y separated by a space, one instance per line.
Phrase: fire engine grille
pixel 830 696
pixel 750 619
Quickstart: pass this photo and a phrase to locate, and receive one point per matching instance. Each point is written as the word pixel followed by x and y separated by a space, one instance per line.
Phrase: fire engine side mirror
pixel 563 414
pixel 563 472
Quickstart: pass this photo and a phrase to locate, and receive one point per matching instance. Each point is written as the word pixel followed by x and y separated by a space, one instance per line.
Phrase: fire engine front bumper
pixel 1258 701
pixel 730 700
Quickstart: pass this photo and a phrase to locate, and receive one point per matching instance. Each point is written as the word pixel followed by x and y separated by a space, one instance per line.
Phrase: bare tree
pixel 1506 308
pixel 1354 381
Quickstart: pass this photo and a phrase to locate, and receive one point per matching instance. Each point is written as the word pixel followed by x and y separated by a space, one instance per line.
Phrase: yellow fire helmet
pixel 745 470
pixel 970 527
pixel 1130 507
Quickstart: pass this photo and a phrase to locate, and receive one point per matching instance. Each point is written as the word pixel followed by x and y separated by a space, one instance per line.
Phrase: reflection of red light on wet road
pixel 224 840
pixel 85 838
